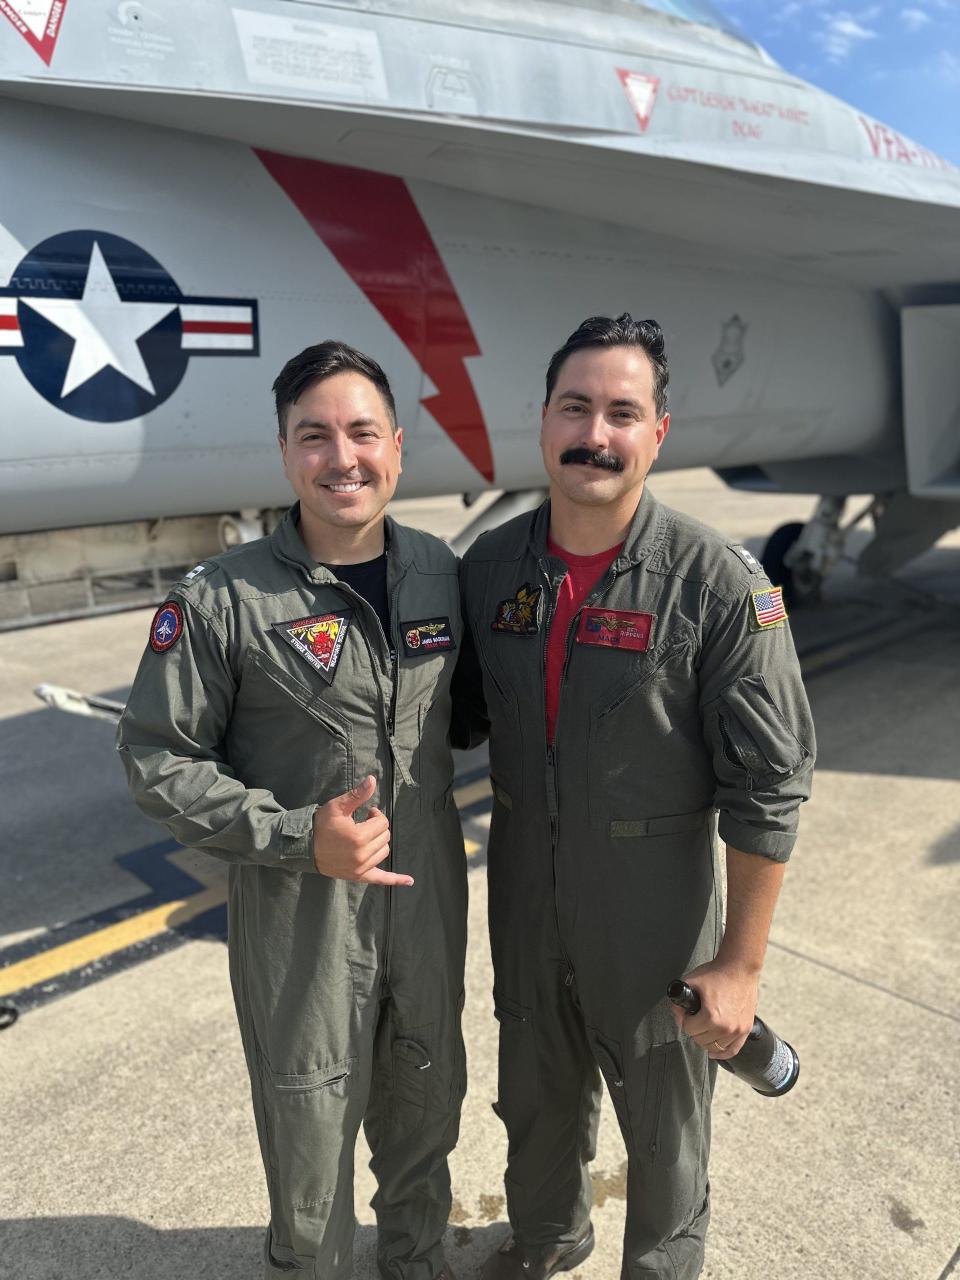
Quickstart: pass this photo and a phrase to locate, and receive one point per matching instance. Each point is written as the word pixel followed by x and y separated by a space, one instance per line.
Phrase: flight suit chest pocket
pixel 645 752
pixel 316 761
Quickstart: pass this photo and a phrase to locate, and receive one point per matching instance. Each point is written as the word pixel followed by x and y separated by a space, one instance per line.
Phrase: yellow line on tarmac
pixel 94 946
pixel 148 924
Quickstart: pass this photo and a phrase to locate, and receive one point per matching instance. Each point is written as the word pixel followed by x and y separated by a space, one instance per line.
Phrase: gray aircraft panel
pixel 553 159
pixel 673 128
pixel 627 75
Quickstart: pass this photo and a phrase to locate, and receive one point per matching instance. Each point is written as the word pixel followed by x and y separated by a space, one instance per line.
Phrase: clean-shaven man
pixel 290 715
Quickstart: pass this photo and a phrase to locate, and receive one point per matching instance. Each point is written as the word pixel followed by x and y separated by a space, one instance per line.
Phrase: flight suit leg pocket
pixel 644 1097
pixel 308 1122
pixel 518 1097
pixel 413 1076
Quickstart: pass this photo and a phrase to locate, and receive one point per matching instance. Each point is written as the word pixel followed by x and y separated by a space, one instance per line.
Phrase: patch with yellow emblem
pixel 519 615
pixel 427 636
pixel 318 640
pixel 768 608
pixel 615 629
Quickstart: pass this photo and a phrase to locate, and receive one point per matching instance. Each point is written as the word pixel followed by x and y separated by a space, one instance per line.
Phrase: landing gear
pixel 798 556
pixel 773 559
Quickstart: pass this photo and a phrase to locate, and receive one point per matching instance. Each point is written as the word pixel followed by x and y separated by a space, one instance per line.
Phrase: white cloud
pixel 842 32
pixel 914 19
pixel 948 67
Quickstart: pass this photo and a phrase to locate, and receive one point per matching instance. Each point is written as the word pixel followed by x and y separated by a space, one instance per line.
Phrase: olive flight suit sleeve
pixel 171 741
pixel 756 722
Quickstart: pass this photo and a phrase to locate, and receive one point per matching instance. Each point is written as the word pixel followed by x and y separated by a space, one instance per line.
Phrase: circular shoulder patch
pixel 166 628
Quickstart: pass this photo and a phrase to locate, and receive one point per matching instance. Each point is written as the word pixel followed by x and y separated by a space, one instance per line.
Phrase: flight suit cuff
pixel 296 839
pixel 776 845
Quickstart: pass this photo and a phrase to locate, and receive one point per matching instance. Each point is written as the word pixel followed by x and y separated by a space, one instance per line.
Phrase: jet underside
pixel 453 195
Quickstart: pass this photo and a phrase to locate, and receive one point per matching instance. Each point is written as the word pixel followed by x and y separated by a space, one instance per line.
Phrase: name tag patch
pixel 519 615
pixel 427 636
pixel 318 640
pixel 616 629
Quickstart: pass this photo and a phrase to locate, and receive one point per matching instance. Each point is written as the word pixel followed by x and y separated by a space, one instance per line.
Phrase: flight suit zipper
pixel 393 650
pixel 388 715
pixel 553 798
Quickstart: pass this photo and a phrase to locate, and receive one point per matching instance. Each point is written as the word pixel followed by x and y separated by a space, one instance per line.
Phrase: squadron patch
pixel 166 628
pixel 427 636
pixel 615 629
pixel 318 640
pixel 768 607
pixel 520 615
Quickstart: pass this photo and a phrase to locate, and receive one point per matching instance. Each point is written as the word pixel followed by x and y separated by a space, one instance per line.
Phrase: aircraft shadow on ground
pixel 90 1247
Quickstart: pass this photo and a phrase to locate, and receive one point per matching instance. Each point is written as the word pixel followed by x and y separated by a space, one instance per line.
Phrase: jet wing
pixel 601 108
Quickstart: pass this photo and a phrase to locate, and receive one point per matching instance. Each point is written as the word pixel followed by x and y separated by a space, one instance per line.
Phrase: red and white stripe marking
pixel 211 327
pixel 10 335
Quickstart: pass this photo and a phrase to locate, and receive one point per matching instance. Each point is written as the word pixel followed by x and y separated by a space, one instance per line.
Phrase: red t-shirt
pixel 583 573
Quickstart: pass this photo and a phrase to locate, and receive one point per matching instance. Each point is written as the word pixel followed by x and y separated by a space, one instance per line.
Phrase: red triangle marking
pixel 43 45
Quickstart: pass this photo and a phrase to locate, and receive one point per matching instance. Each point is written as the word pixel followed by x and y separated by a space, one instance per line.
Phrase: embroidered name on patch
pixel 615 629
pixel 768 608
pixel 520 615
pixel 318 640
pixel 427 636
pixel 166 628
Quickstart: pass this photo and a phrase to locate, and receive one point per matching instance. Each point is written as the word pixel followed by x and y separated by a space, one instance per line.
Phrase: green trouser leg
pixel 662 1100
pixel 308 1127
pixel 549 1101
pixel 412 1123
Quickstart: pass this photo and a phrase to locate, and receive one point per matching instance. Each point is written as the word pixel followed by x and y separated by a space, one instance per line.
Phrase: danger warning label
pixel 38 21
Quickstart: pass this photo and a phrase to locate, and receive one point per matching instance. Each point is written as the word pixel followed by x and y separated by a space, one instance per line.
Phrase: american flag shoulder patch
pixel 768 607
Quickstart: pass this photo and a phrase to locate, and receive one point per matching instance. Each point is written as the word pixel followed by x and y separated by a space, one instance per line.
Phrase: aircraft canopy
pixel 694 11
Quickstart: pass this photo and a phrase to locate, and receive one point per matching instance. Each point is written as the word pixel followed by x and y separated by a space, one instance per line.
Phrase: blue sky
pixel 898 60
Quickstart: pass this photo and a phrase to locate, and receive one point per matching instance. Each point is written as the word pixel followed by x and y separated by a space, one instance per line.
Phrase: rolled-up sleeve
pixel 757 726
pixel 170 740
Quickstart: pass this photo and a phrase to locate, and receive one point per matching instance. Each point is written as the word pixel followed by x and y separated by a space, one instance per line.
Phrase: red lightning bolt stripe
pixel 370 224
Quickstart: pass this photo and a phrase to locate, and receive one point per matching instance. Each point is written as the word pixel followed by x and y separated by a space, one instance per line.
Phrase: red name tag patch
pixel 615 629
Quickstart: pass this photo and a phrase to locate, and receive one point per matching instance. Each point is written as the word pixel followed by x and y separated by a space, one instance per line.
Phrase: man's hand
pixel 728 1002
pixel 348 850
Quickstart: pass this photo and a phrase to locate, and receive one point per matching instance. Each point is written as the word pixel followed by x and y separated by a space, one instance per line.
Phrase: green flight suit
pixel 675 702
pixel 348 995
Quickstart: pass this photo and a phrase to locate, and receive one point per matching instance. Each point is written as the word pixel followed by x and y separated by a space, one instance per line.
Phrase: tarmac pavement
pixel 128 1137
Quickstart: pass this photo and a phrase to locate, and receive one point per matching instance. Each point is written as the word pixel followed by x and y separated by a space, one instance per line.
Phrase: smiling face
pixel 341 454
pixel 600 433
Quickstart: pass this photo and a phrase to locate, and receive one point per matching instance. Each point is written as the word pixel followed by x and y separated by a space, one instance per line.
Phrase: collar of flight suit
pixel 288 545
pixel 644 535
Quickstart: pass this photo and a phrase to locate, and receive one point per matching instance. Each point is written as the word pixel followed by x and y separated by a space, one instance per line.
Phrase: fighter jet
pixel 192 192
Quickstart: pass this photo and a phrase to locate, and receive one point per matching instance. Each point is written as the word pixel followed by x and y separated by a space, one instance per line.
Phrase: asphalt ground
pixel 127 1135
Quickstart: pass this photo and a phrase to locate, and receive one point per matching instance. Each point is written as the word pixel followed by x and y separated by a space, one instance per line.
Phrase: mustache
pixel 592 458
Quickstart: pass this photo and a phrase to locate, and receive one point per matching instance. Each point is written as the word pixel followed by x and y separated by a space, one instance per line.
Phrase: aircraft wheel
pixel 801 583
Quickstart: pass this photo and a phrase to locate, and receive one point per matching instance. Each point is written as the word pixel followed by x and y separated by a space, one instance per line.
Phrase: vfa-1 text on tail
pixel 195 191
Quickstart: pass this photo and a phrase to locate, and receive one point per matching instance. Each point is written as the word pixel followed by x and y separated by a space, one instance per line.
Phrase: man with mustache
pixel 290 715
pixel 639 676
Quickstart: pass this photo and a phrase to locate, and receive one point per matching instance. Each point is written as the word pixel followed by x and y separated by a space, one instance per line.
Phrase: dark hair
pixel 601 331
pixel 324 360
